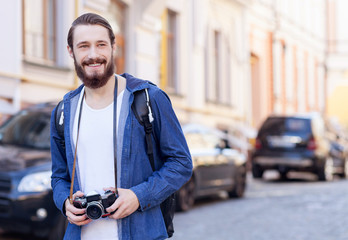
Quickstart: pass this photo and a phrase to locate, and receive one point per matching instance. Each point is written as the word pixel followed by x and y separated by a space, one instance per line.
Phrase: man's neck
pixel 101 97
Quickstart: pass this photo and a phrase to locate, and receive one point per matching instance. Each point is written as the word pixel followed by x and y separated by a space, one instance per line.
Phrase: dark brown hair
pixel 90 19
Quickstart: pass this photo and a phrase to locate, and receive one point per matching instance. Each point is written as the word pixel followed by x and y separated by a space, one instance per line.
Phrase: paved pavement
pixel 298 209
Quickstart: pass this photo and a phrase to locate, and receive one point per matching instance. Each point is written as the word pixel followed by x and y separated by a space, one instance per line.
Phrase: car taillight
pixel 258 144
pixel 311 145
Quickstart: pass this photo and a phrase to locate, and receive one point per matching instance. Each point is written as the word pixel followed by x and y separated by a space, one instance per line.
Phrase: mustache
pixel 93 61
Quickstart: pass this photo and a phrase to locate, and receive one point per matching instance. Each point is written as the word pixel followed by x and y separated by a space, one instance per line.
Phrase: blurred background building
pixel 337 60
pixel 224 63
pixel 287 48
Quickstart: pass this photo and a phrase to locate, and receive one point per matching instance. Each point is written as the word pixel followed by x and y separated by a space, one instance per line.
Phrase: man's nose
pixel 92 52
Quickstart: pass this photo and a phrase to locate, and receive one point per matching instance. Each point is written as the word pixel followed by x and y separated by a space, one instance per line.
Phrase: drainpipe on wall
pixel 274 81
pixel 326 54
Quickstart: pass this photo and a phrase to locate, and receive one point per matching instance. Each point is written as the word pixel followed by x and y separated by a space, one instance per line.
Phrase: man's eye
pixel 102 44
pixel 83 46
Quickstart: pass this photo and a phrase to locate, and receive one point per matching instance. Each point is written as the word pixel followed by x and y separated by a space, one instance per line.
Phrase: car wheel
pixel 257 171
pixel 326 173
pixel 185 196
pixel 58 231
pixel 240 183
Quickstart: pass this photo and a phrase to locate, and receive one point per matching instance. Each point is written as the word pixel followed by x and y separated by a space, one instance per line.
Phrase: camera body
pixel 96 204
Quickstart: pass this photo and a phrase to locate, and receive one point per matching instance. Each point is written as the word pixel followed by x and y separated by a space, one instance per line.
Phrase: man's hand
pixel 75 215
pixel 126 203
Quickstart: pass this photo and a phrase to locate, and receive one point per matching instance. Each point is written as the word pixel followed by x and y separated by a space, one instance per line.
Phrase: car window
pixel 282 124
pixel 202 140
pixel 27 129
pixel 297 125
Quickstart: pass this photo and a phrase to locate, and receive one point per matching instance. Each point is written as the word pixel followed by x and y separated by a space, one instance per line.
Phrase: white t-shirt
pixel 95 154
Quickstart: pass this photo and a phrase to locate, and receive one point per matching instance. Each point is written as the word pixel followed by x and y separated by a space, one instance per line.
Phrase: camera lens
pixel 94 210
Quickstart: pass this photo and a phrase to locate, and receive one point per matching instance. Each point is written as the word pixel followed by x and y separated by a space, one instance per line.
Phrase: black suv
pixel 26 203
pixel 293 143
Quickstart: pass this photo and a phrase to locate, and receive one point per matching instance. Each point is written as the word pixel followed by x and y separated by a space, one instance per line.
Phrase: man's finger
pixel 77 211
pixel 122 212
pixel 79 222
pixel 77 194
pixel 114 206
pixel 110 189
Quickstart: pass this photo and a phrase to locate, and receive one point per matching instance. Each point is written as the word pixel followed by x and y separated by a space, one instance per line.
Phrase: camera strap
pixel 114 140
pixel 115 132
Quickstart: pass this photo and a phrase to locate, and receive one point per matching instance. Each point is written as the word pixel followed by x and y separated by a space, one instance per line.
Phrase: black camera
pixel 95 203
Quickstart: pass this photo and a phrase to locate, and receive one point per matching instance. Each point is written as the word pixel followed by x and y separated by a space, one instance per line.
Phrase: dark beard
pixel 96 80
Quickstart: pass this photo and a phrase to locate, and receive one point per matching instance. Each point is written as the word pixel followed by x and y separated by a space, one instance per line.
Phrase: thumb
pixel 78 194
pixel 110 188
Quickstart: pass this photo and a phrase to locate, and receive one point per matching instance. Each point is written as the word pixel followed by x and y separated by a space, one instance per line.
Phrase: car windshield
pixel 27 129
pixel 279 125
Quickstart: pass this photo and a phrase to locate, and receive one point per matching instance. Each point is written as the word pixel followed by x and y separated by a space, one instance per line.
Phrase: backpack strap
pixel 59 122
pixel 142 110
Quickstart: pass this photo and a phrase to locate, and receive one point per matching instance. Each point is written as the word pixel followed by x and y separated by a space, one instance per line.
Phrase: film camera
pixel 95 203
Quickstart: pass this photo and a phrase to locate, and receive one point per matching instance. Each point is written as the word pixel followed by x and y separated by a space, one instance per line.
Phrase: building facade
pixel 288 57
pixel 337 61
pixel 195 50
pixel 224 63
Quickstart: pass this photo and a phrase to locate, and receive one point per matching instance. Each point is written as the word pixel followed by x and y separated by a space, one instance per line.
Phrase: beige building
pixel 287 48
pixel 224 63
pixel 195 50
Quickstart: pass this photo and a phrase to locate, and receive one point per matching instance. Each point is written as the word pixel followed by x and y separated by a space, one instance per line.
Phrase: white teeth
pixel 94 65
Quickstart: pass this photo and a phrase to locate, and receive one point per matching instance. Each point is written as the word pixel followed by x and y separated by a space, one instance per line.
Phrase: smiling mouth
pixel 94 65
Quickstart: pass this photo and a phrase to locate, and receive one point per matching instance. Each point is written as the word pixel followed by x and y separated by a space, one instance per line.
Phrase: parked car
pixel 339 154
pixel 293 143
pixel 216 166
pixel 338 147
pixel 26 200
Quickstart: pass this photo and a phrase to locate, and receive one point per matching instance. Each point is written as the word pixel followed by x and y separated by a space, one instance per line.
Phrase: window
pixel 213 77
pixel 228 98
pixel 39 38
pixel 27 129
pixel 172 51
pixel 217 64
pixel 117 17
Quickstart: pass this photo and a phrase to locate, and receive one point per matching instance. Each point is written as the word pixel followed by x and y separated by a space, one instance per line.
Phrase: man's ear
pixel 114 48
pixel 71 53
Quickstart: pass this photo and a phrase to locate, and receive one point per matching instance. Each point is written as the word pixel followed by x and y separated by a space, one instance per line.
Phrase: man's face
pixel 92 53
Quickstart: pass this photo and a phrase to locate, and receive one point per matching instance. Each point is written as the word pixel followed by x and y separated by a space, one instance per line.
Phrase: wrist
pixel 64 205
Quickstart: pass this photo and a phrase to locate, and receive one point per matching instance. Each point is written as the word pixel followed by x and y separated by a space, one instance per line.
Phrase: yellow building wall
pixel 337 105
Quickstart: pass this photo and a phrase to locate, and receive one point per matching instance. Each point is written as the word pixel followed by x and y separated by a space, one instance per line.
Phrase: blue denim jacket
pixel 171 154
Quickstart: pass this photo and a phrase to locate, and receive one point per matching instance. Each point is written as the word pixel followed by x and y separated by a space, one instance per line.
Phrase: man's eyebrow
pixel 102 41
pixel 83 42
pixel 87 42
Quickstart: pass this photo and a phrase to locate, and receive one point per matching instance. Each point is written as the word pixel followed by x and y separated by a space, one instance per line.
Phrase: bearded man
pixel 107 144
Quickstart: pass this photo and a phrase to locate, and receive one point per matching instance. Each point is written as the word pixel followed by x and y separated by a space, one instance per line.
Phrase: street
pixel 300 208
